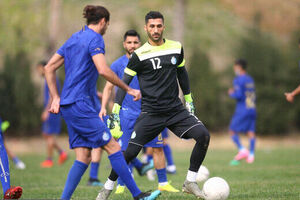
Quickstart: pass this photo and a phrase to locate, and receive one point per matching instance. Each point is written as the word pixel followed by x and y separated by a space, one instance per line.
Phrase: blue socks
pixel 4 166
pixel 94 170
pixel 252 145
pixel 137 163
pixel 15 159
pixel 149 158
pixel 236 139
pixel 120 166
pixel 162 175
pixel 168 154
pixel 74 176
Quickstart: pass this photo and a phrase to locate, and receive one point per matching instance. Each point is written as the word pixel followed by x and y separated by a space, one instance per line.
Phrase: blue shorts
pixel 127 126
pixel 243 123
pixel 52 125
pixel 84 125
pixel 164 133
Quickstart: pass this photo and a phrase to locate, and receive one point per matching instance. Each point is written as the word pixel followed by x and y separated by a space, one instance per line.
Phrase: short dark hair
pixel 153 15
pixel 242 63
pixel 131 33
pixel 94 14
pixel 42 62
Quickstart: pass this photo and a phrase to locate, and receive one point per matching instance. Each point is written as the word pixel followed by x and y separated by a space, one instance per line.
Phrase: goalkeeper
pixel 158 64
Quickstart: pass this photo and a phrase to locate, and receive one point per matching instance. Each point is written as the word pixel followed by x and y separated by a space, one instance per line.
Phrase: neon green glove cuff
pixel 116 108
pixel 5 125
pixel 188 98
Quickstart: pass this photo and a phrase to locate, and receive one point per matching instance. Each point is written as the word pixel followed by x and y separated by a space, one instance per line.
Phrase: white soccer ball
pixel 203 174
pixel 216 188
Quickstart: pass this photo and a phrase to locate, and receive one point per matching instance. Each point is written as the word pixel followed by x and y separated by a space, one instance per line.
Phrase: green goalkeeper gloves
pixel 189 103
pixel 114 122
pixel 4 126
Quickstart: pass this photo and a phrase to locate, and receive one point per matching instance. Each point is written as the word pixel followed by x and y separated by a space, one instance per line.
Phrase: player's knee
pixel 131 152
pixel 200 134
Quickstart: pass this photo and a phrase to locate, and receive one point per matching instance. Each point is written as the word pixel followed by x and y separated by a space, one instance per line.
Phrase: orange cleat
pixel 62 158
pixel 13 193
pixel 47 164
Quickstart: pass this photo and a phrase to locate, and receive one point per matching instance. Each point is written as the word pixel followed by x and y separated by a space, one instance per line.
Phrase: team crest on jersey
pixel 133 135
pixel 173 60
pixel 105 136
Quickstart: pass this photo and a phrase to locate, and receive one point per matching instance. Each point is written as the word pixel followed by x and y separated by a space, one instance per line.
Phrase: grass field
pixel 274 175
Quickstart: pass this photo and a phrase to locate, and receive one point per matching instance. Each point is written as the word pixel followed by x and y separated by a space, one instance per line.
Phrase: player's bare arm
pixel 54 63
pixel 291 95
pixel 105 98
pixel 109 75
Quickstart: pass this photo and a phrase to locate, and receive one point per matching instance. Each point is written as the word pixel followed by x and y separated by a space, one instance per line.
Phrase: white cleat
pixel 20 165
pixel 103 194
pixel 192 188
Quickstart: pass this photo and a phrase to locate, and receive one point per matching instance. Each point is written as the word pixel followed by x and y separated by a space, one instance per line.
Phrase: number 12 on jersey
pixel 156 63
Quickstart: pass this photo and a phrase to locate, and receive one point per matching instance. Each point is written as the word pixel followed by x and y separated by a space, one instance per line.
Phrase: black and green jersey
pixel 156 68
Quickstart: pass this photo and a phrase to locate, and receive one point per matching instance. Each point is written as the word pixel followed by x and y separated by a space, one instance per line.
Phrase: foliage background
pixel 215 33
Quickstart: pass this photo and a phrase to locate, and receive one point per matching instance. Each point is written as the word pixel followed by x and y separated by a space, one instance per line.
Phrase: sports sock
pixel 149 158
pixel 4 166
pixel 136 163
pixel 94 170
pixel 121 168
pixel 74 176
pixel 191 176
pixel 162 176
pixel 252 145
pixel 15 159
pixel 120 182
pixel 236 139
pixel 168 154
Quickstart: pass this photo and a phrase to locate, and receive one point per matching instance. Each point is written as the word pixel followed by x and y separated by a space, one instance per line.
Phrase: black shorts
pixel 149 125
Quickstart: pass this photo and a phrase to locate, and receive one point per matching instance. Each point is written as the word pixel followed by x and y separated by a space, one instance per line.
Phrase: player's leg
pixel 49 150
pixel 95 164
pixel 188 126
pixel 19 164
pixel 171 168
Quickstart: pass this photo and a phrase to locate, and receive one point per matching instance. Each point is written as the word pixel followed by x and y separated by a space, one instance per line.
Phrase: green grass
pixel 274 175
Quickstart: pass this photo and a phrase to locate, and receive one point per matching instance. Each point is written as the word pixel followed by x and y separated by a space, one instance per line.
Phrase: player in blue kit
pixel 83 57
pixel 244 118
pixel 128 115
pixel 8 192
pixel 51 125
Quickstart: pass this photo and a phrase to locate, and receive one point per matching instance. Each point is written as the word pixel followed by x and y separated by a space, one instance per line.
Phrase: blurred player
pixel 51 125
pixel 17 162
pixel 171 167
pixel 8 191
pixel 83 57
pixel 291 95
pixel 244 118
pixel 158 64
pixel 129 114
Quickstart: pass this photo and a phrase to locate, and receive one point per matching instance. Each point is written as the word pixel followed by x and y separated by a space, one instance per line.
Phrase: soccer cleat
pixel 167 188
pixel 250 159
pixel 234 162
pixel 47 164
pixel 148 195
pixel 120 189
pixel 20 165
pixel 145 167
pixel 13 193
pixel 103 194
pixel 192 188
pixel 94 182
pixel 151 175
pixel 243 154
pixel 62 158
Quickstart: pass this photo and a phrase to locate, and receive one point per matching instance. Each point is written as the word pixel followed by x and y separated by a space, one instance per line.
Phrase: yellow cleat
pixel 167 188
pixel 120 189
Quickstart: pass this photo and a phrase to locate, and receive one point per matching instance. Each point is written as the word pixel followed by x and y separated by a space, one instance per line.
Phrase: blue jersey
pixel 130 108
pixel 244 94
pixel 80 70
pixel 47 93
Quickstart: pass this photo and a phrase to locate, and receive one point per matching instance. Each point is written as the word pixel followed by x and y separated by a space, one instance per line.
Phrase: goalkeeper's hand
pixel 4 126
pixel 189 103
pixel 114 122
